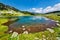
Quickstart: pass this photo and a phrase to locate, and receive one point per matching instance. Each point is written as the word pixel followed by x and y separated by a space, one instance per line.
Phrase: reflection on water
pixel 31 20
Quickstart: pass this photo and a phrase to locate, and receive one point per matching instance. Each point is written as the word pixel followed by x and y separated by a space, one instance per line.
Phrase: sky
pixel 38 6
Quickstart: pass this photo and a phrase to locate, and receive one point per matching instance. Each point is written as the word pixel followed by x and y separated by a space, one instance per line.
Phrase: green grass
pixel 3 20
pixel 31 36
pixel 53 17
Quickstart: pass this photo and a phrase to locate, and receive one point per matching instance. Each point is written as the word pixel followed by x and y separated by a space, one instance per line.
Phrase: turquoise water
pixel 32 20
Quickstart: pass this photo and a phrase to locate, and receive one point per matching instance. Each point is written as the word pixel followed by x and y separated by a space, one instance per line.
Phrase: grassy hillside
pixel 6 10
pixel 53 15
pixel 52 34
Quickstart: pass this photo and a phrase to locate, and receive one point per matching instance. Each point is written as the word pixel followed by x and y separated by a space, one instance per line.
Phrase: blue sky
pixel 27 4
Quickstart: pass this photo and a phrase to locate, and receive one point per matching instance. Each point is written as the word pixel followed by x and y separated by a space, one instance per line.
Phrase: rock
pixel 15 34
pixel 50 30
pixel 25 32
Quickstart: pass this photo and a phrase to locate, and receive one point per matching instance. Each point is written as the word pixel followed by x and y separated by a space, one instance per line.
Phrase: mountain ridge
pixel 7 7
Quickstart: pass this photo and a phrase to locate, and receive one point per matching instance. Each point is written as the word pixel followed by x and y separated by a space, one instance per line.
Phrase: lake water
pixel 32 20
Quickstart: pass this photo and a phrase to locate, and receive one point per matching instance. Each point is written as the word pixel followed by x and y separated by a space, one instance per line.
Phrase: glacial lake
pixel 32 20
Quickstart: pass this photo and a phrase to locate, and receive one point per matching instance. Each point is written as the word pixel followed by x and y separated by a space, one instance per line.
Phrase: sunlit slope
pixel 53 15
pixel 6 10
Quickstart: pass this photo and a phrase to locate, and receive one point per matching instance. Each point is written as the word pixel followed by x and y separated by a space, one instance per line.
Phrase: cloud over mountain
pixel 56 7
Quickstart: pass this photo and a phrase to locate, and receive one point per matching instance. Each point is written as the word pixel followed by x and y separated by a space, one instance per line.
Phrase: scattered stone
pixel 51 30
pixel 58 38
pixel 10 31
pixel 23 26
pixel 15 34
pixel 25 32
pixel 58 24
pixel 23 29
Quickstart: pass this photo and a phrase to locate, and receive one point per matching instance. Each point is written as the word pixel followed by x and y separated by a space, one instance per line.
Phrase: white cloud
pixel 56 7
pixel 47 9
pixel 37 10
pixel 33 8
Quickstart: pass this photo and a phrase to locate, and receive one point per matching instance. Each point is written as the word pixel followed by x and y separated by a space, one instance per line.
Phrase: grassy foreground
pixel 46 35
pixel 52 34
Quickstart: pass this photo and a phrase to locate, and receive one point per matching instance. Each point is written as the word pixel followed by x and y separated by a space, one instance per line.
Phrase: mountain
pixel 6 9
pixel 11 10
pixel 53 12
pixel 26 12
